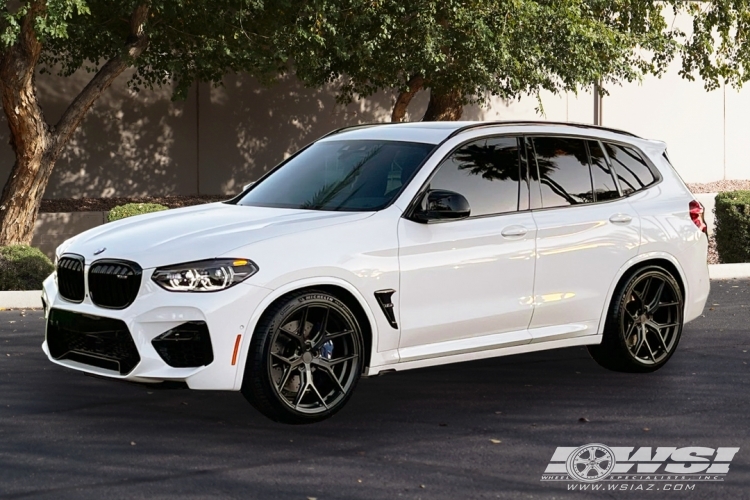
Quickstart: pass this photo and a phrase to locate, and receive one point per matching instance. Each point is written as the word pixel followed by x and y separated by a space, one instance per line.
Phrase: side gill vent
pixel 384 299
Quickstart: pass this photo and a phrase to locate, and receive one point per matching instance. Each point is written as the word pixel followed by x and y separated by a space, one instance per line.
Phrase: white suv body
pixel 562 219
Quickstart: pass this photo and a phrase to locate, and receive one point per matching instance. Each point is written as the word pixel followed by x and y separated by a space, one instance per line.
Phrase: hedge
pixel 23 268
pixel 733 226
pixel 132 209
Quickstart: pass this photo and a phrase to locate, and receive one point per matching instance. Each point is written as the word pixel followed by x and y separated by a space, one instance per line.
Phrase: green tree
pixel 464 51
pixel 172 42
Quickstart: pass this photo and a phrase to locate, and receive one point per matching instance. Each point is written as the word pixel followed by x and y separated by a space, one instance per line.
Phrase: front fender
pixel 376 358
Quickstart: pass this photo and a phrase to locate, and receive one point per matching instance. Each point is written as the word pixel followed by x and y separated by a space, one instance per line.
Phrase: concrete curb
pixel 21 300
pixel 728 271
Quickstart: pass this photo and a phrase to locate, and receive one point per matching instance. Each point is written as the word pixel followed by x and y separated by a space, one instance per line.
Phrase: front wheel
pixel 644 323
pixel 305 358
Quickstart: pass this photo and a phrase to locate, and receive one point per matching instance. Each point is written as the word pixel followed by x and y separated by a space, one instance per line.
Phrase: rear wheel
pixel 644 323
pixel 305 358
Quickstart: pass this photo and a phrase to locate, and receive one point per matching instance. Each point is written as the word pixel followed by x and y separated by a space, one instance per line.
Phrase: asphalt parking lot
pixel 421 434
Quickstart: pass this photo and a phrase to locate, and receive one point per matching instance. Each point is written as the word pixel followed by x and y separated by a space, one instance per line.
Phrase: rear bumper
pixel 699 286
pixel 155 311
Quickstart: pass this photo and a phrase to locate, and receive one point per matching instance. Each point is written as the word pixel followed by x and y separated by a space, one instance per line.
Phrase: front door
pixel 471 278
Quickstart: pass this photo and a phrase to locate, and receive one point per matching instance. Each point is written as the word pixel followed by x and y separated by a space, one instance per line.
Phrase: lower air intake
pixel 185 346
pixel 91 340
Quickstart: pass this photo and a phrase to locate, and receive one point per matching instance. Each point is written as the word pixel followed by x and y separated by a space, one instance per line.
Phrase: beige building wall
pixel 128 144
pixel 690 120
pixel 222 137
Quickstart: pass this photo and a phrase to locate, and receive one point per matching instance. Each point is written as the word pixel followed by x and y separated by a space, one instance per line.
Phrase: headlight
pixel 205 275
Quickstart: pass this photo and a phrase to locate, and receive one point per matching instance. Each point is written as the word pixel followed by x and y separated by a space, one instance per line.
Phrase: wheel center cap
pixel 307 357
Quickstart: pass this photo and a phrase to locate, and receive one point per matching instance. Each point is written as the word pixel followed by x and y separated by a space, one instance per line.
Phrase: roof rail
pixel 496 123
pixel 536 122
pixel 360 125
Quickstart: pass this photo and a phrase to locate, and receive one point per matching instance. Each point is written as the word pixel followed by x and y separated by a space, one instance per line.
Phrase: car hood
pixel 195 233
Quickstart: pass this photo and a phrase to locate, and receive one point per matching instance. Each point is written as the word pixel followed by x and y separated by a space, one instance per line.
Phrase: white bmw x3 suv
pixel 390 247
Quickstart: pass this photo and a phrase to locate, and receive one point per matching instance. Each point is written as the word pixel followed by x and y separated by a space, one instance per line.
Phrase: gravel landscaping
pixel 713 255
pixel 719 186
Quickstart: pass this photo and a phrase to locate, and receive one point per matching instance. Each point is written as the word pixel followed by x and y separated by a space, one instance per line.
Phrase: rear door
pixel 585 232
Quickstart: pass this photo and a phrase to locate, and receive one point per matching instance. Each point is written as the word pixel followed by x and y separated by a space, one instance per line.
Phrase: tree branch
pixel 404 98
pixel 136 44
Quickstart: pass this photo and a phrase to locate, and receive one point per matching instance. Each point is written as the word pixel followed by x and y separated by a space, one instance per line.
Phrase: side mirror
pixel 246 186
pixel 440 204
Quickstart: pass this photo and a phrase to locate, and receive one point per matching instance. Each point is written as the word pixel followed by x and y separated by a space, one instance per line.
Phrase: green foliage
pixel 131 209
pixel 504 48
pixel 23 268
pixel 718 50
pixel 53 21
pixel 187 41
pixel 733 226
pixel 478 47
pixel 508 48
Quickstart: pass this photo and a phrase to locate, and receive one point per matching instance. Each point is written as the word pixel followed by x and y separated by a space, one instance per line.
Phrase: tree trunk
pixel 404 98
pixel 29 135
pixel 37 146
pixel 444 107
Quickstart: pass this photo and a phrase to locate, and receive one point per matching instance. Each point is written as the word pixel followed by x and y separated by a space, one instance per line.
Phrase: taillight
pixel 696 215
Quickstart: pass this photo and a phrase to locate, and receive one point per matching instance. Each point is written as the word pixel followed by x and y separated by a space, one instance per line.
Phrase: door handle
pixel 620 219
pixel 511 231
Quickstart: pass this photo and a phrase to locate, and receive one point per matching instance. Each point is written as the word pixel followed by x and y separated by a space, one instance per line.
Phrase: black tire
pixel 644 322
pixel 308 342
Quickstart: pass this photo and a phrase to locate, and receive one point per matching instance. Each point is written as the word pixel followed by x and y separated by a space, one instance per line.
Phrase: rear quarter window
pixel 631 170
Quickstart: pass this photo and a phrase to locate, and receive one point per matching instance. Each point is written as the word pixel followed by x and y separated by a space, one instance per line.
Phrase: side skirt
pixel 489 353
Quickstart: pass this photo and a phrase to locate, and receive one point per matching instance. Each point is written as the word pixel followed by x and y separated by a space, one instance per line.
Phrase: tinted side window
pixel 564 172
pixel 486 172
pixel 604 184
pixel 632 172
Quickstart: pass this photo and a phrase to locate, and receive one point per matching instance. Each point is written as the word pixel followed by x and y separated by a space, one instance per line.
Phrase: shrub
pixel 132 209
pixel 23 268
pixel 733 226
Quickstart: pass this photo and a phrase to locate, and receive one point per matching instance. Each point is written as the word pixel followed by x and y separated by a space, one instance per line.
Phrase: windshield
pixel 340 175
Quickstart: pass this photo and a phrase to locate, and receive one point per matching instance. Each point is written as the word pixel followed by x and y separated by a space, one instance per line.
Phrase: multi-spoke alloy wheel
pixel 644 323
pixel 305 358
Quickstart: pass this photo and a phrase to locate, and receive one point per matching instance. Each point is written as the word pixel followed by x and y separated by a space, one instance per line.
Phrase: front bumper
pixel 155 311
